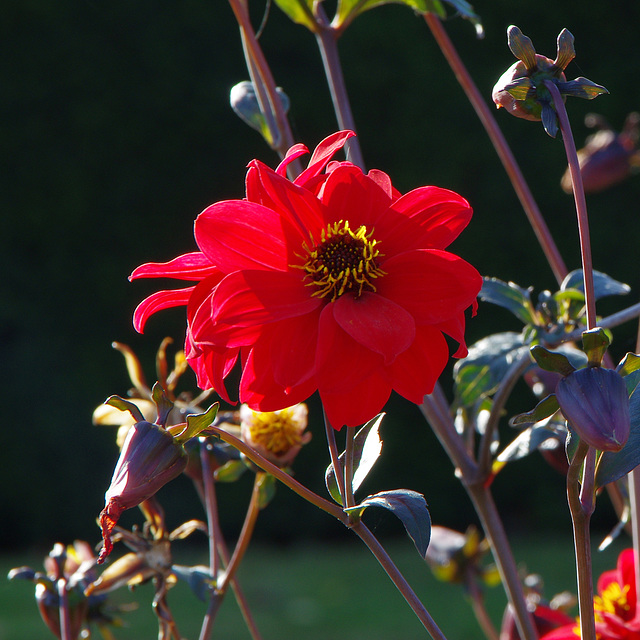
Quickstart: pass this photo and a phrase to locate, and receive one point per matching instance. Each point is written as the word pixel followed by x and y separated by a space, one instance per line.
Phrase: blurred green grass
pixel 315 592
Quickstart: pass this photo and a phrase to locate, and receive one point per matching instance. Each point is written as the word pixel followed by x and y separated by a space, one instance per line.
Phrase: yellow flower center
pixel 344 261
pixel 613 600
pixel 276 431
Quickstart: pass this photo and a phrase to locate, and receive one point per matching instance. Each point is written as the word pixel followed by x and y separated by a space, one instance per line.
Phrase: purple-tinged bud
pixel 595 403
pixel 150 457
pixel 521 89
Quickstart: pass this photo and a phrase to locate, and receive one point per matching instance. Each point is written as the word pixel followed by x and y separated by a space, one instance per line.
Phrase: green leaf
pixel 300 11
pixel 612 466
pixel 348 10
pixel 603 284
pixel 230 471
pixel 409 507
pixel 510 296
pixel 552 360
pixel 544 409
pixel 266 489
pixel 366 451
pixel 196 423
pixel 125 405
pixel 480 373
pixel 629 364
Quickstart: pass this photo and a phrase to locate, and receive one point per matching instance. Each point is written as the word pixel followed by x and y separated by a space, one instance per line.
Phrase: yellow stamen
pixel 344 261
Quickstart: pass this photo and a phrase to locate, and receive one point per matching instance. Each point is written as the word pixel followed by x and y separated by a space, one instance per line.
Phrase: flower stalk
pixel 501 146
pixel 581 511
pixel 327 40
pixel 581 204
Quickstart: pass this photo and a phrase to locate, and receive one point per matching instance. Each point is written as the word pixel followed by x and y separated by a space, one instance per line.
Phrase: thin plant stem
pixel 211 508
pixel 280 475
pixel 615 319
pixel 335 457
pixel 581 203
pixel 499 399
pixel 63 609
pixel 358 527
pixel 245 534
pixel 501 146
pixel 224 555
pixel 348 468
pixel 451 441
pixel 469 473
pixel 580 518
pixel 327 39
pixel 480 611
pixel 494 530
pixel 263 80
pixel 398 580
pixel 634 500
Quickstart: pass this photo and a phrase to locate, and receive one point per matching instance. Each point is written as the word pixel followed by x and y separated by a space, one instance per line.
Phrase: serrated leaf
pixel 366 451
pixel 603 284
pixel 544 409
pixel 510 296
pixel 480 373
pixel 612 466
pixel 300 11
pixel 409 507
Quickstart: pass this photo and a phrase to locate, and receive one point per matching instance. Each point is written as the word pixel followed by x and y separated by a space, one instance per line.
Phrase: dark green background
pixel 115 133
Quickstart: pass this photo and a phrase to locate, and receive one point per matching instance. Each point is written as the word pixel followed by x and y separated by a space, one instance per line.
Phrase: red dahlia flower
pixel 332 282
pixel 615 605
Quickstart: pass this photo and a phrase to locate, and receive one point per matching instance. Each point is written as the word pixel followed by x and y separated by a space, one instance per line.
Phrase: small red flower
pixel 332 282
pixel 617 617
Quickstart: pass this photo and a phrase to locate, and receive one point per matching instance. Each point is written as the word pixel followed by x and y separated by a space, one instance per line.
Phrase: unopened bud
pixel 595 403
pixel 150 458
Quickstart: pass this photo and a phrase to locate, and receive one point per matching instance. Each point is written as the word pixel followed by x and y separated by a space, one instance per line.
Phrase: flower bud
pixel 521 89
pixel 150 458
pixel 595 403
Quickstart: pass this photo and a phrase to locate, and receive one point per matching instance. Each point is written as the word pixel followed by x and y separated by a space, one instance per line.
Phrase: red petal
pixel 292 346
pixel 432 285
pixel 376 323
pixel 158 301
pixel 297 205
pixel 357 405
pixel 254 298
pixel 236 234
pixel 350 195
pixel 190 266
pixel 211 366
pixel 295 152
pixel 341 362
pixel 322 154
pixel 262 393
pixel 414 373
pixel 430 218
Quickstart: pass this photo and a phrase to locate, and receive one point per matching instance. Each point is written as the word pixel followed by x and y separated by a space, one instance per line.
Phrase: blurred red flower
pixel 332 282
pixel 615 605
